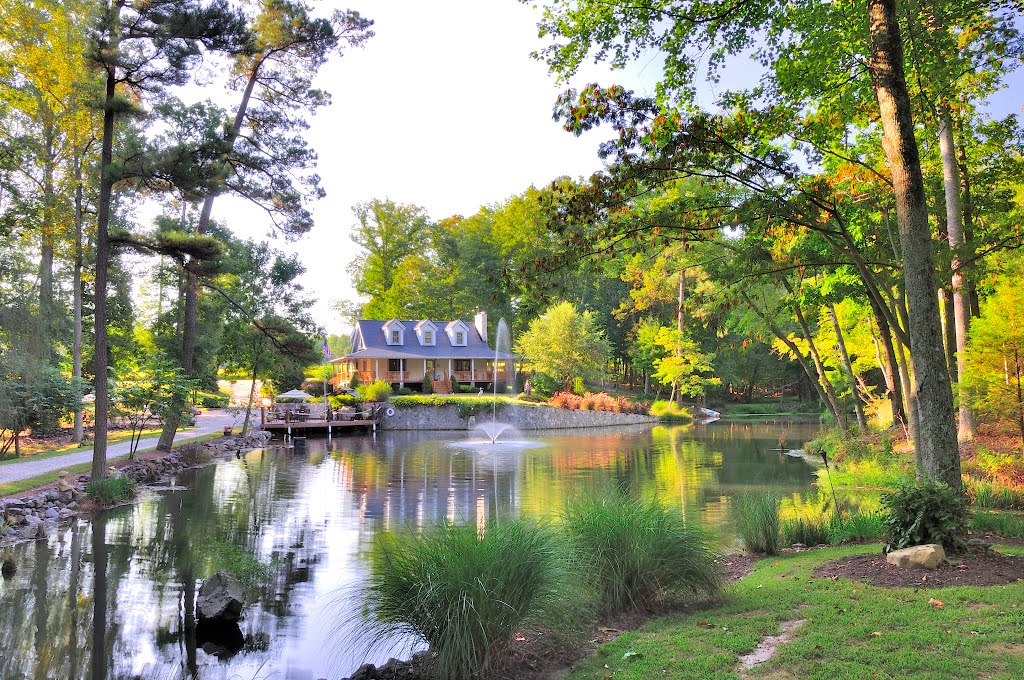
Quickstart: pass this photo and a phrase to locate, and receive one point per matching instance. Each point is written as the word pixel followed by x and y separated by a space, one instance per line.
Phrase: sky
pixel 443 108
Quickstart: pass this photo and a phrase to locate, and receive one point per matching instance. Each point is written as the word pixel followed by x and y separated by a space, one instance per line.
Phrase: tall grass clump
pixel 832 529
pixel 805 531
pixel 1001 523
pixel 986 494
pixel 378 390
pixel 756 518
pixel 468 595
pixel 111 490
pixel 635 553
pixel 668 410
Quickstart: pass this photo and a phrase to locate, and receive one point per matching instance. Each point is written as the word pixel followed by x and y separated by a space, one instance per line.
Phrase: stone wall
pixel 520 416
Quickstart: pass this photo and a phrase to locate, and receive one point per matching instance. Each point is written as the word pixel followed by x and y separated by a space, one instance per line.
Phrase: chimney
pixel 480 321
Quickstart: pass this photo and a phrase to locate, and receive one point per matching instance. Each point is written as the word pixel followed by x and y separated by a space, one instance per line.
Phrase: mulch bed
pixel 987 568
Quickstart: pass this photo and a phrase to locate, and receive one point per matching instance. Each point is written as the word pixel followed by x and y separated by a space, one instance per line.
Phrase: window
pixel 395 336
pixel 459 338
pixel 461 365
pixel 428 337
pixel 394 364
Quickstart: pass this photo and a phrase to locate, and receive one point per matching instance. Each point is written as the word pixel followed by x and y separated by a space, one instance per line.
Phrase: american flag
pixel 327 351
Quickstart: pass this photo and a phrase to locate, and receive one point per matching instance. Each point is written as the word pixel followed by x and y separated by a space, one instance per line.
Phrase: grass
pixel 19 485
pixel 985 494
pixel 756 518
pixel 670 411
pixel 832 530
pixel 252 573
pixel 1006 524
pixel 635 552
pixel 37 452
pixel 111 490
pixel 772 408
pixel 851 630
pixel 467 594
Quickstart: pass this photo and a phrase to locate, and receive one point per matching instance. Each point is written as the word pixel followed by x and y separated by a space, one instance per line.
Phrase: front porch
pixel 409 372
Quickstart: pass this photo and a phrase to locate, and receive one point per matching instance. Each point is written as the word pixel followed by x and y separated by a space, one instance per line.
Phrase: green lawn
pixel 851 630
pixel 39 453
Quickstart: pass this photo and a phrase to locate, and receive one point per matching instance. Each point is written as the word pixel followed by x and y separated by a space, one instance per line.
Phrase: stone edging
pixel 34 515
pixel 427 417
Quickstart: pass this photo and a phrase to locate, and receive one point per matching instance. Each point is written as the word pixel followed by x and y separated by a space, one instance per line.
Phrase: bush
pixel 111 490
pixel 925 512
pixel 342 400
pixel 834 530
pixel 427 386
pixel 353 382
pixel 455 385
pixel 469 595
pixel 667 410
pixel 378 390
pixel 756 518
pixel 194 454
pixel 577 386
pixel 806 531
pixel 242 564
pixel 466 389
pixel 211 400
pixel 1004 524
pixel 637 552
pixel 544 385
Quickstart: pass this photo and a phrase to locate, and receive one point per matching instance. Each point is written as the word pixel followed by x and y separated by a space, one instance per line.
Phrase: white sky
pixel 442 108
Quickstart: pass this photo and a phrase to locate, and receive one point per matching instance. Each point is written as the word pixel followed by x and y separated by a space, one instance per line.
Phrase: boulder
pixel 62 483
pixel 928 556
pixel 220 597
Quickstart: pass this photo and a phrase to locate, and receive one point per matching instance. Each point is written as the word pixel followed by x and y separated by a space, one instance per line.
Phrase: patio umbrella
pixel 295 394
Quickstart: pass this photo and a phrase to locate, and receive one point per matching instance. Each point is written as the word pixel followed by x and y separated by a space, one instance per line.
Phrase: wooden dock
pixel 302 427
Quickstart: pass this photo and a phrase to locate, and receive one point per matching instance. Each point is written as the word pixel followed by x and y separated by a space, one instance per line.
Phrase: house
pixel 401 352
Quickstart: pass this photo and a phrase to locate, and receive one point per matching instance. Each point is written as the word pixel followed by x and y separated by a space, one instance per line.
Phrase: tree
pixel 265 160
pixel 566 345
pixel 995 354
pixel 142 46
pixel 683 366
pixel 149 391
pixel 32 394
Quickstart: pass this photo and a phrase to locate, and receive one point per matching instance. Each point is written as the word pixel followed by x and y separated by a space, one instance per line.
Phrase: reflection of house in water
pixel 405 481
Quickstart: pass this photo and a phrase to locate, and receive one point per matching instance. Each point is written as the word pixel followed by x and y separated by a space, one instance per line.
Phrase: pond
pixel 112 597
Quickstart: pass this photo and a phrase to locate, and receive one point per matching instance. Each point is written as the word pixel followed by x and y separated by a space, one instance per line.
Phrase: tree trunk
pixel 252 390
pixel 862 422
pixel 937 446
pixel 99 598
pixel 76 343
pixel 948 331
pixel 100 360
pixel 968 213
pixel 46 304
pixel 830 392
pixel 890 368
pixel 1020 396
pixel 961 303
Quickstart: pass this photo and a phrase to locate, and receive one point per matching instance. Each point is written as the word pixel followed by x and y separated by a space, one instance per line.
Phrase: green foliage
pixel 212 400
pixel 1001 496
pixel 756 518
pixel 427 386
pixel 635 553
pixel 833 530
pixel 468 594
pixel 566 345
pixel 252 573
pixel 925 512
pixel 32 393
pixel 467 406
pixel 378 390
pixel 544 386
pixel 670 411
pixel 405 391
pixel 111 490
pixel 578 386
pixel 682 364
pixel 341 400
pixel 353 382
pixel 1001 523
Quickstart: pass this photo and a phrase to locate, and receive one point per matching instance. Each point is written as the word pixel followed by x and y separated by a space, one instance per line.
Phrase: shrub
pixel 378 390
pixel 211 400
pixel 925 512
pixel 984 494
pixel 544 386
pixel 578 386
pixel 468 595
pixel 111 490
pixel 455 385
pixel 1004 524
pixel 340 400
pixel 427 386
pixel 637 552
pixel 194 454
pixel 353 382
pixel 756 518
pixel 466 389
pixel 668 410
pixel 806 531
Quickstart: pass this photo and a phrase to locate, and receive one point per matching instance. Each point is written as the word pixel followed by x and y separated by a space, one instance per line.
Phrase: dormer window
pixel 460 338
pixel 394 332
pixel 458 333
pixel 426 332
pixel 428 337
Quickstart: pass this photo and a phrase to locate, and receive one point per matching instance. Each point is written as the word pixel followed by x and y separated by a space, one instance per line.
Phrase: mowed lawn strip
pixel 37 453
pixel 850 630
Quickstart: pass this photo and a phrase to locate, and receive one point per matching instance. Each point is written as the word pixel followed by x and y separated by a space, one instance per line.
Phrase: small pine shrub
pixel 637 552
pixel 468 595
pixel 925 512
pixel 756 518
pixel 353 382
pixel 427 386
pixel 111 490
pixel 455 385
pixel 378 390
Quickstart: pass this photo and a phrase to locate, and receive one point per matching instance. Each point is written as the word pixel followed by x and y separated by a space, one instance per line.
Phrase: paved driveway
pixel 209 421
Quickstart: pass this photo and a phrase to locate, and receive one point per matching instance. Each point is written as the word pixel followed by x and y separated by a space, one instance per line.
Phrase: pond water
pixel 112 597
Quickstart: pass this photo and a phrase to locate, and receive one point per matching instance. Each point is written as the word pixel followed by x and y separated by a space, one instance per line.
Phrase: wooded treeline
pixel 107 107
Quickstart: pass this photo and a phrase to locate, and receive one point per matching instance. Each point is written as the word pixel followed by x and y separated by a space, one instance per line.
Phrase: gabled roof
pixel 425 322
pixel 376 347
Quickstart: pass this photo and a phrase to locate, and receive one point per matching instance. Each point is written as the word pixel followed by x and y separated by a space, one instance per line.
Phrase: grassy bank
pixel 17 486
pixel 39 450
pixel 850 630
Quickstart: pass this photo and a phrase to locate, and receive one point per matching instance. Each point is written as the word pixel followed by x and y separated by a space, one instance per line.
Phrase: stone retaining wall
pixel 520 416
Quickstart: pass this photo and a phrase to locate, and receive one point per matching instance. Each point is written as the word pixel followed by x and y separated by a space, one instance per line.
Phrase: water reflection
pixel 115 597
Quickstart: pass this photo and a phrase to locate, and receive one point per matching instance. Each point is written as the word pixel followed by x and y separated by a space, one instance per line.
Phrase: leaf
pixel 938 604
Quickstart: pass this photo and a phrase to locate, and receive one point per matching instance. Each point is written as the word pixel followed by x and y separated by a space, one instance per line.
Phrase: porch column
pixel 376 369
pixel 425 369
pixel 449 371
pixel 472 370
pixel 401 373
